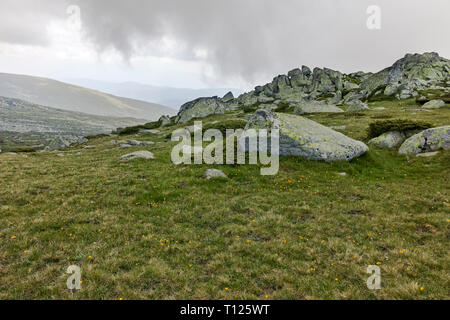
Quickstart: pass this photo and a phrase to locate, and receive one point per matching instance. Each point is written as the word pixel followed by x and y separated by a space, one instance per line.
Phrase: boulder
pixel 315 107
pixel 228 97
pixel 165 121
pixel 429 140
pixel 305 138
pixel 434 104
pixel 89 147
pixel 357 105
pixel 214 173
pixel 389 139
pixel 125 145
pixel 138 155
pixel 200 108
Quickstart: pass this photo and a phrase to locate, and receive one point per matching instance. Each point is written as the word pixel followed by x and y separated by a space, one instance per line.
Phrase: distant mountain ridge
pixel 56 94
pixel 168 96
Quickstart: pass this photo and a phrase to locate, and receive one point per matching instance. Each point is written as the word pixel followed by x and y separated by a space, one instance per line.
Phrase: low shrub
pixel 424 96
pixel 284 107
pixel 250 109
pixel 135 129
pixel 224 125
pixel 379 127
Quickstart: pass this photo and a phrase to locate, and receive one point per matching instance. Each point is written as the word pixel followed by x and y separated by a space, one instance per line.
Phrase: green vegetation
pixel 432 94
pixel 402 125
pixel 285 108
pixel 222 126
pixel 352 79
pixel 147 229
pixel 250 109
pixel 136 129
pixel 378 95
pixel 325 96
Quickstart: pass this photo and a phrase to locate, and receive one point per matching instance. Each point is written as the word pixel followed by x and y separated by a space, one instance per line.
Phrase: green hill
pixel 51 93
pixel 147 229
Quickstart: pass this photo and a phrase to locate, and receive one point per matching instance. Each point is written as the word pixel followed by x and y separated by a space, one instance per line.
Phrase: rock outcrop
pixel 406 78
pixel 409 74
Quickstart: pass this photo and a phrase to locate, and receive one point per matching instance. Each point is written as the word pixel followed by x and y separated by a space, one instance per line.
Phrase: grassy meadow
pixel 147 229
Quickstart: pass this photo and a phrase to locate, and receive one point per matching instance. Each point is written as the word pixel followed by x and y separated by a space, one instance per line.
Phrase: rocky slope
pixel 25 123
pixel 406 78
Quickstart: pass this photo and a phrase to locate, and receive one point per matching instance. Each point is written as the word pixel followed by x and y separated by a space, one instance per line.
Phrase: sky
pixel 212 43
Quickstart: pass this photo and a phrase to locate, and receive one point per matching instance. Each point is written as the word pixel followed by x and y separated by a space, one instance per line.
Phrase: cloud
pixel 24 22
pixel 248 39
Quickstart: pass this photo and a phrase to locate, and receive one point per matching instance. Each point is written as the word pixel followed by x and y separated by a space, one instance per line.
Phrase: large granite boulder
pixel 429 140
pixel 305 138
pixel 315 107
pixel 200 108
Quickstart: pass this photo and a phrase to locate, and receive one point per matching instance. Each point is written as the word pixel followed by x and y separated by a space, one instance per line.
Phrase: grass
pixel 153 230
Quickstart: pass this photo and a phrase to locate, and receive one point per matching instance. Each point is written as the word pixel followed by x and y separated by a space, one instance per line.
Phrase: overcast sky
pixel 212 43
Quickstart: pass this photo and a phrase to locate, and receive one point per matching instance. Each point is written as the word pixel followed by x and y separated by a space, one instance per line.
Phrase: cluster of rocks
pixel 203 107
pixel 62 142
pixel 322 90
pixel 413 143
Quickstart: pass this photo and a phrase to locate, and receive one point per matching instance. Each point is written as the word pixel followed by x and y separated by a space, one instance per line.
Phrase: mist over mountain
pixel 56 94
pixel 167 96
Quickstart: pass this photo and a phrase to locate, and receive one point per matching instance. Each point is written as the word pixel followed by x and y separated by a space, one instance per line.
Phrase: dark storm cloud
pixel 253 38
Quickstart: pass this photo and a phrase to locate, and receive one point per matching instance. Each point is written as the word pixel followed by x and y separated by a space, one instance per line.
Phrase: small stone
pixel 89 147
pixel 214 173
pixel 343 174
pixel 150 132
pixel 140 143
pixel 427 154
pixel 125 145
pixel 138 155
pixel 338 127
